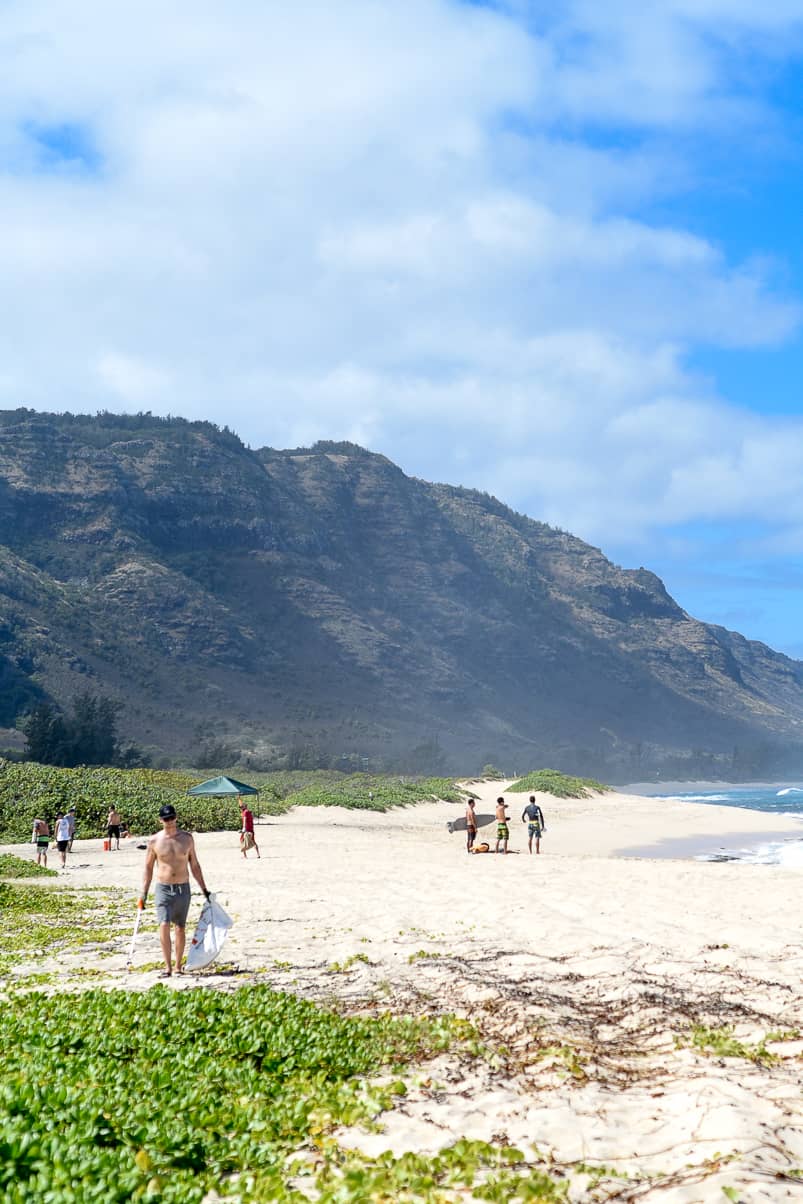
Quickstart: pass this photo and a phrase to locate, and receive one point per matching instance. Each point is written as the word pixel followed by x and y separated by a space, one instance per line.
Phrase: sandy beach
pixel 584 969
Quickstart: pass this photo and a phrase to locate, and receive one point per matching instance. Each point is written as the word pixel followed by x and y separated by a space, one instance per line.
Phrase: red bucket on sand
pixel 107 844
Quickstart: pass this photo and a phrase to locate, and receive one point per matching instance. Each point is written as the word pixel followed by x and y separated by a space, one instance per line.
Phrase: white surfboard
pixel 210 935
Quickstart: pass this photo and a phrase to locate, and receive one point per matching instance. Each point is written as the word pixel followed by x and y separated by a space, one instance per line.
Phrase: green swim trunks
pixel 534 830
pixel 502 832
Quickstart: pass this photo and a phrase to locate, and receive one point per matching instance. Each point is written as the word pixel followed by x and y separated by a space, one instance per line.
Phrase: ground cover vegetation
pixel 262 1077
pixel 18 867
pixel 560 784
pixel 42 921
pixel 357 791
pixel 31 791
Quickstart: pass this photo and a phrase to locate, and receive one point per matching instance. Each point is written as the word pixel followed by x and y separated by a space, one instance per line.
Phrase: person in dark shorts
pixel 471 825
pixel 533 816
pixel 172 854
pixel 502 830
pixel 113 821
pixel 41 838
pixel 62 837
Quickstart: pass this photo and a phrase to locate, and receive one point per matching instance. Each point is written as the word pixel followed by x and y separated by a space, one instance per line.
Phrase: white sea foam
pixel 791 855
pixel 789 790
pixel 701 798
pixel 786 853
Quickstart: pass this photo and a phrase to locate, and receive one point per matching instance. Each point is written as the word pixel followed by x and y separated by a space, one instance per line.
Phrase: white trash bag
pixel 210 935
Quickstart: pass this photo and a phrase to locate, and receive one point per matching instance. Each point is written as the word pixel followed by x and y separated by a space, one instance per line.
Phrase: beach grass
pixel 362 791
pixel 562 785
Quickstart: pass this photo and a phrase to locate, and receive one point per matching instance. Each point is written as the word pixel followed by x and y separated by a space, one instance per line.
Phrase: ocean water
pixel 774 800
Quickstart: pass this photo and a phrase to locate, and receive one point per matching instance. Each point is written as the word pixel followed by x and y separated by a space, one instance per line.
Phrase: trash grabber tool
pixel 140 907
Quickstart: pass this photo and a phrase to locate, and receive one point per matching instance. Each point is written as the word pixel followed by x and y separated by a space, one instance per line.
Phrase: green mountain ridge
pixel 320 597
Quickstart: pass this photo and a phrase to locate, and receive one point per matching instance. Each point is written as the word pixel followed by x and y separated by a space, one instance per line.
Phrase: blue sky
pixel 548 251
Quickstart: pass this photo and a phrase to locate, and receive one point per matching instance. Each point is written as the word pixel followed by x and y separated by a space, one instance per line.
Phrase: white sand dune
pixel 587 966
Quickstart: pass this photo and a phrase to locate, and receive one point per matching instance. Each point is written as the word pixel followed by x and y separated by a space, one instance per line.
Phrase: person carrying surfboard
pixel 471 825
pixel 171 853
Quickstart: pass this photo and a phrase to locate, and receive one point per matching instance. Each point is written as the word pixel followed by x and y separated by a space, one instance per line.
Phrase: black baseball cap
pixel 168 811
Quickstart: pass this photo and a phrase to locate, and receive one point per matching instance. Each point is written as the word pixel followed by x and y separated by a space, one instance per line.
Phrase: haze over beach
pixel 401 405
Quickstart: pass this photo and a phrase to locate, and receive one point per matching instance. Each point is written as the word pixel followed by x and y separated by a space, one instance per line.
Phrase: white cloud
pixel 383 222
pixel 132 380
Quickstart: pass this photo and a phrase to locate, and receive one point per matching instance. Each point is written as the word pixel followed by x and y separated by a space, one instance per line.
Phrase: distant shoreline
pixel 651 789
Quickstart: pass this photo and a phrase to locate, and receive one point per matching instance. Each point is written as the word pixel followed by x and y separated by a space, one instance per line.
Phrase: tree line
pixel 85 736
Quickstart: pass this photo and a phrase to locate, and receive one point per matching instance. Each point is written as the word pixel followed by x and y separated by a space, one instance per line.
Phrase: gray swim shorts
pixel 172 902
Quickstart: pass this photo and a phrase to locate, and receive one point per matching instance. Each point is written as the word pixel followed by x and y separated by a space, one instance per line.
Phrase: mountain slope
pixel 321 597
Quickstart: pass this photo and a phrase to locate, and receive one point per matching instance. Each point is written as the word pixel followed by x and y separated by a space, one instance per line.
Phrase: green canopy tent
pixel 221 787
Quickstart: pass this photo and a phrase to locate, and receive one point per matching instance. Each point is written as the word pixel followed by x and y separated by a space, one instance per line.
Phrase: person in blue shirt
pixel 533 816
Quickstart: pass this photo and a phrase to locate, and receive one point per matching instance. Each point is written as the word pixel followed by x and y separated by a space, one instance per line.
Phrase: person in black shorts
pixel 471 825
pixel 62 837
pixel 113 822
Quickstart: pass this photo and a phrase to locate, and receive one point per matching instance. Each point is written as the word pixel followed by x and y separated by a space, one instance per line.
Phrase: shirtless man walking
pixel 113 821
pixel 41 838
pixel 172 853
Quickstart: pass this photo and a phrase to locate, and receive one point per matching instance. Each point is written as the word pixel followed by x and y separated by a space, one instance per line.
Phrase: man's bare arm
pixel 197 872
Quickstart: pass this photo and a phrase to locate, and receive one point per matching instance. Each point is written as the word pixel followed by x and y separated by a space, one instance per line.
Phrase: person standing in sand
pixel 471 825
pixel 113 821
pixel 41 838
pixel 502 830
pixel 247 838
pixel 62 837
pixel 172 853
pixel 534 817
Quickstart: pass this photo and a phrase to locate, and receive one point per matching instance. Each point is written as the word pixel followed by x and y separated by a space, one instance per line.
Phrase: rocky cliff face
pixel 321 598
